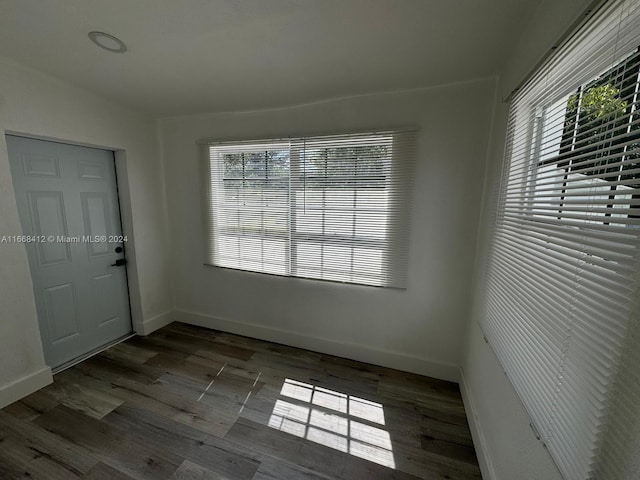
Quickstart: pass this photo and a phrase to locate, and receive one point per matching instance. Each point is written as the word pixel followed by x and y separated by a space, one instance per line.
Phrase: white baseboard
pixel 385 358
pixel 24 386
pixel 154 323
pixel 479 441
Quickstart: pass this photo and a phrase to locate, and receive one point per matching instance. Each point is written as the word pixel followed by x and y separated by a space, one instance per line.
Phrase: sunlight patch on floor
pixel 343 422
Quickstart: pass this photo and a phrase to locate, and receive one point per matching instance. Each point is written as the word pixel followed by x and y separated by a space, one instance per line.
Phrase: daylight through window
pixel 562 277
pixel 332 207
pixel 587 150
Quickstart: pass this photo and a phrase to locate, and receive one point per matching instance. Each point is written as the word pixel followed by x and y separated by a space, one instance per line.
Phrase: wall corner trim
pixel 154 323
pixel 479 440
pixel 20 388
pixel 361 353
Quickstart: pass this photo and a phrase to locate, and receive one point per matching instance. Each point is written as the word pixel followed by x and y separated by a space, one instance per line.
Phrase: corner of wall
pixel 152 324
pixel 162 157
pixel 477 434
pixel 494 145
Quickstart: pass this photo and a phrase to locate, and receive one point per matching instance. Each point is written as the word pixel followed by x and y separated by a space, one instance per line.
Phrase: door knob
pixel 119 262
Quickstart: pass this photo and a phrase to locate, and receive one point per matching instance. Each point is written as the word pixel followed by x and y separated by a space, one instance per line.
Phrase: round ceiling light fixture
pixel 108 42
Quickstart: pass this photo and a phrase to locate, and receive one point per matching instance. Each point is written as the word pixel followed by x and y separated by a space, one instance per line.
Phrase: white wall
pixel 506 445
pixel 39 105
pixel 420 329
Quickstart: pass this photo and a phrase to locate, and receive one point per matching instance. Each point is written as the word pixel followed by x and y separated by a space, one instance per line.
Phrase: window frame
pixel 565 155
pixel 561 278
pixel 294 237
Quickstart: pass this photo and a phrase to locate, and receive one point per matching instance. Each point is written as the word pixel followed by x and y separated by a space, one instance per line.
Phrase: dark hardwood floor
pixel 191 403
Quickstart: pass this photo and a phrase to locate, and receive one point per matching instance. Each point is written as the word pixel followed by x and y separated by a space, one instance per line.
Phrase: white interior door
pixel 68 204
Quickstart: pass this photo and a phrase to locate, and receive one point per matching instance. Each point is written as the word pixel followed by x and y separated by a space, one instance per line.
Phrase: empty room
pixel 320 239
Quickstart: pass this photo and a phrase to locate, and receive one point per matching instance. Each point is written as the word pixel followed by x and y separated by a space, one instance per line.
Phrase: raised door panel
pixel 106 292
pixel 60 302
pixel 92 171
pixel 35 165
pixel 49 223
pixel 97 223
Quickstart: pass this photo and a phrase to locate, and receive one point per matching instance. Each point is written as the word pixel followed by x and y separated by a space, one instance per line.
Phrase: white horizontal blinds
pixel 249 206
pixel 619 457
pixel 332 207
pixel 400 206
pixel 351 206
pixel 564 261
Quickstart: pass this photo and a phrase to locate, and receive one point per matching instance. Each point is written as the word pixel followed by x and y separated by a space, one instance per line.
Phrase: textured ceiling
pixel 193 56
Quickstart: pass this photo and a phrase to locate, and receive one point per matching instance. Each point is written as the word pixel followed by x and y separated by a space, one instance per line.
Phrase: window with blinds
pixel 562 278
pixel 331 207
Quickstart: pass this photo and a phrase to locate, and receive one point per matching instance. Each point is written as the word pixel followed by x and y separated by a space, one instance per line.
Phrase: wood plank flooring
pixel 190 403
